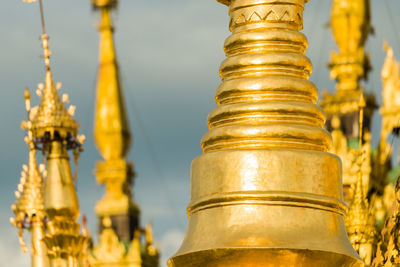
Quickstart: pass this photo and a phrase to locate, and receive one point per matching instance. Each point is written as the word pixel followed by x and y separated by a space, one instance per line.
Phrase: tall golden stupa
pixel 282 181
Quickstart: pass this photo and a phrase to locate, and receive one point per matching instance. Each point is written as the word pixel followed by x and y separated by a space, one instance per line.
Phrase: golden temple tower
pixel 52 130
pixel 120 231
pixel 266 192
pixel 350 21
pixel 56 131
pixel 112 135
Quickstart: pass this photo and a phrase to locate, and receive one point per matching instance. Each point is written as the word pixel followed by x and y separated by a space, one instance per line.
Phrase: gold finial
pixel 45 37
pixel 350 20
pixel 27 97
pixel 360 222
pixel 51 116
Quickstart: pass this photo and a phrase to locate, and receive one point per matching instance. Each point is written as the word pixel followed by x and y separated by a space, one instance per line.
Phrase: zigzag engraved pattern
pixel 267 13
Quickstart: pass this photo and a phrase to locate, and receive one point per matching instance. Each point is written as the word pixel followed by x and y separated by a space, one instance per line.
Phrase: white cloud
pixel 10 251
pixel 170 242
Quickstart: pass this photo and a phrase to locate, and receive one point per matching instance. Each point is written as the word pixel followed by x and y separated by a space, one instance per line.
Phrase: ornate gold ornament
pixel 366 168
pixel 360 221
pixel 29 208
pixel 266 192
pixel 389 247
pixel 52 130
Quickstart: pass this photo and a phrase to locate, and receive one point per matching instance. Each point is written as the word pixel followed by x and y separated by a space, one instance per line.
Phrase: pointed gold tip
pixel 46 49
pixel 27 95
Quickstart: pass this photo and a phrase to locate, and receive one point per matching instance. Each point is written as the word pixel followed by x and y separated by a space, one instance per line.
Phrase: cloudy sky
pixel 169 52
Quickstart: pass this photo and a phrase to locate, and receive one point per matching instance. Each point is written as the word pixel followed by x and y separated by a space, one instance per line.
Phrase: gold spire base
pixel 115 174
pixel 247 209
pixel 266 257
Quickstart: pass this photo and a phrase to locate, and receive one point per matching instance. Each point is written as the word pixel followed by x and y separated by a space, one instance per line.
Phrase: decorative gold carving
pixel 360 222
pixel 269 13
pixel 53 130
pixel 361 225
pixel 389 247
pixel 52 116
pixel 29 208
pixel 109 250
pixel 112 252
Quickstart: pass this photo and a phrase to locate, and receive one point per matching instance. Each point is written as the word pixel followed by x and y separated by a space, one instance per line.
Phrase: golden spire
pixel 54 132
pixel 351 24
pixel 117 211
pixel 360 223
pixel 29 208
pixel 112 134
pixel 266 192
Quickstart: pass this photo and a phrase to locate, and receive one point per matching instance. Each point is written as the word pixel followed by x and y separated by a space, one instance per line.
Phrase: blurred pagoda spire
pixel 112 135
pixel 54 131
pixel 266 191
pixel 118 214
pixel 351 25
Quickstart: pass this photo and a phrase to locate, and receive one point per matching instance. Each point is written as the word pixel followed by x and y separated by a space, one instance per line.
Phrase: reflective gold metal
pixel 111 132
pixel 350 21
pixel 117 211
pixel 54 127
pixel 388 248
pixel 54 131
pixel 360 222
pixel 112 253
pixel 266 192
pixel 390 109
pixel 29 208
